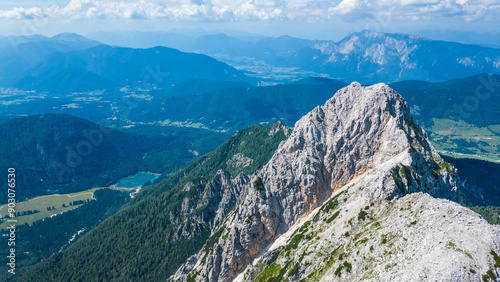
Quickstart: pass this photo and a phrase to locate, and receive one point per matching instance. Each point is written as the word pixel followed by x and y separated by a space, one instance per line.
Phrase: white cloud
pixel 347 6
pixel 419 2
pixel 23 13
pixel 421 9
pixel 174 10
pixel 264 10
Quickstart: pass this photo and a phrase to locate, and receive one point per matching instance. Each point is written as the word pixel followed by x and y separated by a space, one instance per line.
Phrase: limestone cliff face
pixel 364 142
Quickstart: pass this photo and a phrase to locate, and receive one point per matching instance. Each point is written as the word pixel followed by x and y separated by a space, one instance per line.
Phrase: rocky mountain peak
pixel 362 144
pixel 369 34
pixel 371 47
pixel 356 130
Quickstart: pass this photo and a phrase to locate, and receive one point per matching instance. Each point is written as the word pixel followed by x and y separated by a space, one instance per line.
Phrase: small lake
pixel 137 180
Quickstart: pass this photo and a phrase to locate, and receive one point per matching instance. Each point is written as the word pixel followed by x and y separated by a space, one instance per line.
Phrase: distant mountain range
pixel 21 53
pixel 69 62
pixel 491 39
pixel 61 42
pixel 185 37
pixel 368 57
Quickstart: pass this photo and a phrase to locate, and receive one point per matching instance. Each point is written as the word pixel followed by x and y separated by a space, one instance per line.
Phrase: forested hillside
pixel 52 235
pixel 63 154
pixel 168 222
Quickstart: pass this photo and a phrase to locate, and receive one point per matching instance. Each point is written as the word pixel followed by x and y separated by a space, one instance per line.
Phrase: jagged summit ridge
pixel 363 143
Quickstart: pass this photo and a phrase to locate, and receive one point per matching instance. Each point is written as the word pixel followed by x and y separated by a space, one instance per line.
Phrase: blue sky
pixel 301 18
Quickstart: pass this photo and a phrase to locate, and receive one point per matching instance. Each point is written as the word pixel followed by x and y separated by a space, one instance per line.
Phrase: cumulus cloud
pixel 421 9
pixel 419 2
pixel 266 10
pixel 215 10
pixel 23 13
pixel 347 6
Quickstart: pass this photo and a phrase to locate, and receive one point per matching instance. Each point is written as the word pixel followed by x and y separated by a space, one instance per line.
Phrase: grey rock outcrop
pixel 363 144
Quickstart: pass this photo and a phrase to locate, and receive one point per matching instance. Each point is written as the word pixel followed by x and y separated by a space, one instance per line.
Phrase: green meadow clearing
pixel 42 203
pixel 50 205
pixel 463 140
